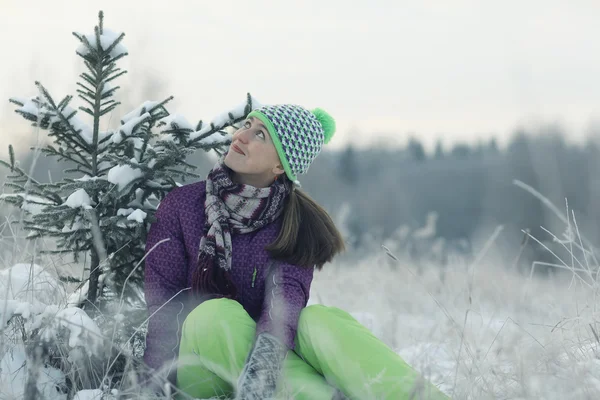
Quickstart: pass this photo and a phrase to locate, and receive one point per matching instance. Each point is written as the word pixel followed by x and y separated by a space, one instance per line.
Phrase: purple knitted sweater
pixel 169 268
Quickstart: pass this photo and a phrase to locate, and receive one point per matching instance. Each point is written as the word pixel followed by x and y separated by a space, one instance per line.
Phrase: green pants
pixel 332 349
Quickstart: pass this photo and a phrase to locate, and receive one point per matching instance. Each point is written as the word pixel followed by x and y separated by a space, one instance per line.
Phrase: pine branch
pixel 86 77
pixel 87 111
pixel 115 76
pixel 111 101
pixel 11 155
pixel 118 57
pixel 61 116
pixel 113 45
pixel 62 155
pixel 110 92
pixel 67 141
pixel 109 109
pixel 84 96
pixel 64 102
pixel 20 171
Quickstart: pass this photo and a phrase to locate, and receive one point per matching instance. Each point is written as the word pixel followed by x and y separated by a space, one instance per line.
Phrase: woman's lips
pixel 237 150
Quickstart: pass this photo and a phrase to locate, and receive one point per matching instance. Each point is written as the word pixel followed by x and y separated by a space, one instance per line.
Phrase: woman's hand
pixel 259 378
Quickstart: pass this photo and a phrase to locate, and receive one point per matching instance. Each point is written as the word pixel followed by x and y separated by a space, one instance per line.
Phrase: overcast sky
pixel 457 69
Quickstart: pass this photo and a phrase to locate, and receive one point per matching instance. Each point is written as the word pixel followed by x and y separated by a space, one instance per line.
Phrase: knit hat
pixel 298 134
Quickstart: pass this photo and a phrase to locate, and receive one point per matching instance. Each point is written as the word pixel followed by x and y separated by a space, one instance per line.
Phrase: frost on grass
pixel 476 332
pixel 13 377
pixel 30 283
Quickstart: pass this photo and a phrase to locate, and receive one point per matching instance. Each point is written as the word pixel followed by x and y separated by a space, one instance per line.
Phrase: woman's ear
pixel 278 169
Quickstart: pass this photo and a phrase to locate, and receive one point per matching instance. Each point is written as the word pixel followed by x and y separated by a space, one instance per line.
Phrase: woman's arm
pixel 165 287
pixel 287 289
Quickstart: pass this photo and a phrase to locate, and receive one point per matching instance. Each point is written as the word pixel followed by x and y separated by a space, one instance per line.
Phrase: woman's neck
pixel 258 181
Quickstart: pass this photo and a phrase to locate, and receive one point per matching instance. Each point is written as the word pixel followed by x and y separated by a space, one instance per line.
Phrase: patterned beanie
pixel 298 134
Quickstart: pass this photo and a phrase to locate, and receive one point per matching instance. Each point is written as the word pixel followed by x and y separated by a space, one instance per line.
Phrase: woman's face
pixel 252 155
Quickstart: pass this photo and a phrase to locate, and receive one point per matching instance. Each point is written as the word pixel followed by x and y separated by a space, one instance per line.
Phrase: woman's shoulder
pixel 186 193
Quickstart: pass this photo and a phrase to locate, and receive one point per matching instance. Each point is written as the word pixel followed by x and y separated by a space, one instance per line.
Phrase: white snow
pixel 88 394
pixel 126 129
pixel 475 331
pixel 13 377
pixel 201 132
pixel 86 132
pixel 122 175
pixel 83 331
pixel 428 231
pixel 107 87
pixel 29 106
pixel 215 138
pixel 124 211
pixel 237 112
pixel 222 119
pixel 178 119
pixel 30 282
pixel 138 215
pixel 86 178
pixel 144 108
pixel 107 38
pixel 79 198
pixel 103 165
pixel 77 225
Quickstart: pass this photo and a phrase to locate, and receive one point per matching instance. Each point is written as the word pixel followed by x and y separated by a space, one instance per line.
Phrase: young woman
pixel 228 273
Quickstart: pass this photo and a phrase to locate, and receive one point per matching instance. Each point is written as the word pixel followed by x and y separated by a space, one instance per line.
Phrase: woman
pixel 228 273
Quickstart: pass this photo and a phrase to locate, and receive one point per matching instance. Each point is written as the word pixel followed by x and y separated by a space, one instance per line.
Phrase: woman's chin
pixel 231 162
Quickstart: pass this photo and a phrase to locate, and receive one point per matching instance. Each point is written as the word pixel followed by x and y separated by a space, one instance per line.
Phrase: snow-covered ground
pixel 477 332
pixel 482 332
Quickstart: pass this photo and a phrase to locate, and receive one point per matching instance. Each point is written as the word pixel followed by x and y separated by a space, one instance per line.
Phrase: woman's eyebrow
pixel 259 123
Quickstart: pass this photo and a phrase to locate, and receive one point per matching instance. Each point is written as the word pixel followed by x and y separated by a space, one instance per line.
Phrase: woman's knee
pixel 203 319
pixel 314 314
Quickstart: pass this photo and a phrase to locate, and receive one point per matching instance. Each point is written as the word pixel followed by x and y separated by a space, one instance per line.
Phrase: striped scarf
pixel 231 208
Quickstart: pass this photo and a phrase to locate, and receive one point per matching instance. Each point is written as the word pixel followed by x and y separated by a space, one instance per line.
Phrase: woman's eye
pixel 246 124
pixel 261 133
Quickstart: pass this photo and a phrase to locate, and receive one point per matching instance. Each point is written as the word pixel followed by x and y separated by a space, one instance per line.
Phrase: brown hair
pixel 308 236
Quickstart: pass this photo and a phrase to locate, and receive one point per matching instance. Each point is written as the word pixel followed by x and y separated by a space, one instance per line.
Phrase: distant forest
pixel 381 195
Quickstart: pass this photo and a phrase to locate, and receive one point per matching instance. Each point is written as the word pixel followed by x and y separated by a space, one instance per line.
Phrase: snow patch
pixel 215 138
pixel 179 120
pixel 88 394
pixel 123 175
pixel 127 128
pixel 140 110
pixel 77 225
pixel 30 282
pixel 79 198
pixel 107 38
pixel 138 215
pixel 13 377
pixel 83 331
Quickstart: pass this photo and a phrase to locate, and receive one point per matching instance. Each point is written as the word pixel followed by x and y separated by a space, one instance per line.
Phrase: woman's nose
pixel 242 135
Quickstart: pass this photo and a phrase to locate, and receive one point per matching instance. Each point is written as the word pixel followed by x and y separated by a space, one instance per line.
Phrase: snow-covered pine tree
pixel 105 208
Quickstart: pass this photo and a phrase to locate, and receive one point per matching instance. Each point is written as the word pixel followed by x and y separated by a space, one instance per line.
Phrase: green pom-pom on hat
pixel 326 121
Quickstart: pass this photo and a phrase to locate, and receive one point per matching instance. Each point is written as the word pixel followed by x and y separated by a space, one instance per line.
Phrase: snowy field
pixel 477 333
pixel 482 333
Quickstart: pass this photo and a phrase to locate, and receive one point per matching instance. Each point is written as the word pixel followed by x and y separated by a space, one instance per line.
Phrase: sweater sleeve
pixel 165 286
pixel 287 289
